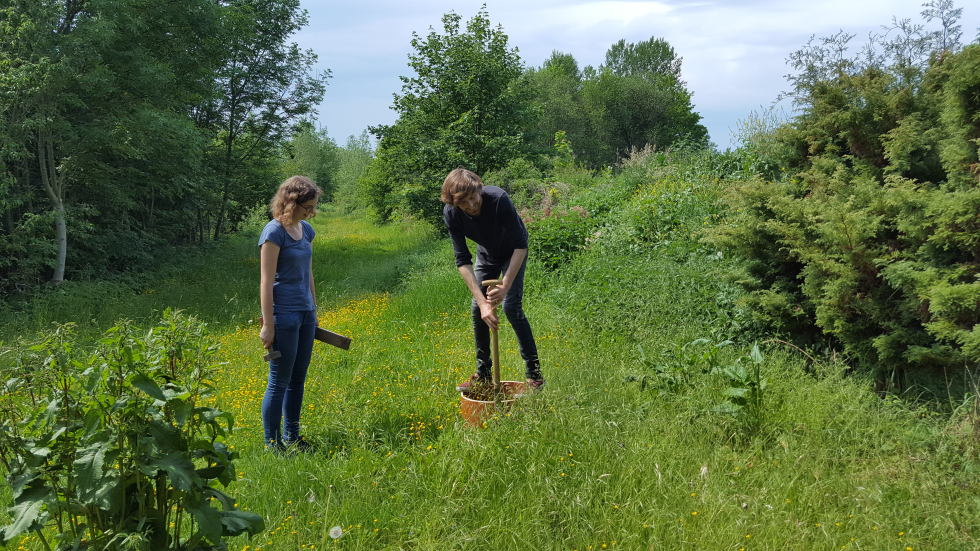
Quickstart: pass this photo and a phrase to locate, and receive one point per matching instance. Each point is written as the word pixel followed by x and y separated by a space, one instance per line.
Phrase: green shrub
pixel 555 236
pixel 872 243
pixel 123 448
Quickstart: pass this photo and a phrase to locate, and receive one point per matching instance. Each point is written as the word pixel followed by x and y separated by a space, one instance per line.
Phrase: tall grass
pixel 593 462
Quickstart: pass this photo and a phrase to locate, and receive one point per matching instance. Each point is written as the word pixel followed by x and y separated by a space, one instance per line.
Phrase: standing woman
pixel 289 299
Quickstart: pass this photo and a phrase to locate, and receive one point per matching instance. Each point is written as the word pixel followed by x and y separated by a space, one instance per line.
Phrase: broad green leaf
pixel 166 436
pixel 149 386
pixel 88 469
pixel 227 502
pixel 182 410
pixel 237 522
pixel 27 511
pixel 209 521
pixel 179 469
pixel 208 473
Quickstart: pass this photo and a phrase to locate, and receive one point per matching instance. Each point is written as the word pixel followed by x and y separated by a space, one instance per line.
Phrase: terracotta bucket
pixel 475 412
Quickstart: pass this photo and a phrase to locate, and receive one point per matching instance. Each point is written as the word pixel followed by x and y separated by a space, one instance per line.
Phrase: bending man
pixel 486 215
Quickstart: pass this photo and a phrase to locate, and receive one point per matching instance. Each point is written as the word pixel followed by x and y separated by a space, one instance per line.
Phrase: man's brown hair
pixel 459 184
pixel 294 191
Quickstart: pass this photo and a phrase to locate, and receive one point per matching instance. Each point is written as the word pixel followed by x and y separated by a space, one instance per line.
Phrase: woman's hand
pixel 267 334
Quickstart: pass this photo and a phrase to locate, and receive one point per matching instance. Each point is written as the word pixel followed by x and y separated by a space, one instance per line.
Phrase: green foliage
pixel 555 236
pixel 121 449
pixel 677 365
pixel 522 181
pixel 353 159
pixel 636 99
pixel 265 85
pixel 644 59
pixel 831 451
pixel 77 117
pixel 467 106
pixel 557 89
pixel 746 392
pixel 130 124
pixel 870 243
pixel 312 153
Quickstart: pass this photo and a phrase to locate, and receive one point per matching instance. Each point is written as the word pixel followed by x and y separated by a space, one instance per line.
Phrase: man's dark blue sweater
pixel 497 231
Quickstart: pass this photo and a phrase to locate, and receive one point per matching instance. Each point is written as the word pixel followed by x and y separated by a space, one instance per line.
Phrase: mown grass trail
pixel 591 463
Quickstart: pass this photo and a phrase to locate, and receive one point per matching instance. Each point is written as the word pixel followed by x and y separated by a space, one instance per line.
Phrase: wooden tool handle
pixel 490 284
pixel 273 354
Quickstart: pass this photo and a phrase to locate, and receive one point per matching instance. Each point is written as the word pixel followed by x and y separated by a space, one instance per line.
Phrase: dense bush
pixel 120 449
pixel 555 236
pixel 872 239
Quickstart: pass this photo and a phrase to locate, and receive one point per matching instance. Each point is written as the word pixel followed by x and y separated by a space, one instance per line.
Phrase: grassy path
pixel 591 463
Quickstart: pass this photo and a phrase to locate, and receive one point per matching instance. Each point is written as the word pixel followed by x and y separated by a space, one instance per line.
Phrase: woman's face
pixel 305 210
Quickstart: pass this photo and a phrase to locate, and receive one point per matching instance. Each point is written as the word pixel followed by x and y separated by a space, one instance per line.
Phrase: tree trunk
pixel 229 155
pixel 8 220
pixel 221 211
pixel 53 185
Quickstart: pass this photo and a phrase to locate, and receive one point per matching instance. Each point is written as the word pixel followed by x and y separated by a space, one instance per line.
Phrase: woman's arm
pixel 313 294
pixel 269 259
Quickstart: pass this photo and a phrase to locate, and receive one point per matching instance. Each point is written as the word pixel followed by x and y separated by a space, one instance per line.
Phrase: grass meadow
pixel 611 455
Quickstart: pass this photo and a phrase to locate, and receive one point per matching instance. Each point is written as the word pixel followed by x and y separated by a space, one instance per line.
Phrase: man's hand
pixel 489 316
pixel 498 293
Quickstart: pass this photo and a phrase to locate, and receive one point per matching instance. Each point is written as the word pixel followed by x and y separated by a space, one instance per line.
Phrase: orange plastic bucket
pixel 475 412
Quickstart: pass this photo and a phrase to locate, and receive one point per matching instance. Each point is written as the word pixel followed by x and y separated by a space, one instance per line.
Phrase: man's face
pixel 471 203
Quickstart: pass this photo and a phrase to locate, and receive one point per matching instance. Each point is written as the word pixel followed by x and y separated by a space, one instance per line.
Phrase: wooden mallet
pixel 320 334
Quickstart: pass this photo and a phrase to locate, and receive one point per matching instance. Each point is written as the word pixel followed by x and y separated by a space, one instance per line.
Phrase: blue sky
pixel 734 52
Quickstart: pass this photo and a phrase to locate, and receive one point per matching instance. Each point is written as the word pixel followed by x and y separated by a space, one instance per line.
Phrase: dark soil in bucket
pixel 482 402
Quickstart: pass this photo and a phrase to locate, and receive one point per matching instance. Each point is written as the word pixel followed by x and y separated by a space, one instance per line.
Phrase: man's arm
pixel 500 291
pixel 486 308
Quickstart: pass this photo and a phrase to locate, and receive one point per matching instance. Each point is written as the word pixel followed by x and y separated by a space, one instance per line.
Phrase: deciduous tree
pixel 265 86
pixel 468 105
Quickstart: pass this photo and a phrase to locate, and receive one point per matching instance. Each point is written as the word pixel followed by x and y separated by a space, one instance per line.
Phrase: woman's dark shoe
pixel 301 446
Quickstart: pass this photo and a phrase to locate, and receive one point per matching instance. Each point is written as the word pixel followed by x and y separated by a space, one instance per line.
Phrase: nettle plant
pixel 120 449
pixel 746 390
pixel 674 370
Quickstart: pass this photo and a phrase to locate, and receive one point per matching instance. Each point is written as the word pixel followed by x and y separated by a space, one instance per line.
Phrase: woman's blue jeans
pixel 514 309
pixel 283 400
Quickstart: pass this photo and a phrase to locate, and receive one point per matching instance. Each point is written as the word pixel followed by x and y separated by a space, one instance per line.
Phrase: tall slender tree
pixel 266 85
pixel 644 59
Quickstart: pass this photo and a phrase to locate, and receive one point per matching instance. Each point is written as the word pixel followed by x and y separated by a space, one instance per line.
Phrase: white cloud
pixel 734 51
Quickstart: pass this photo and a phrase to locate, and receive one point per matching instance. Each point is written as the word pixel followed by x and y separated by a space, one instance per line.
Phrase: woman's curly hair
pixel 292 192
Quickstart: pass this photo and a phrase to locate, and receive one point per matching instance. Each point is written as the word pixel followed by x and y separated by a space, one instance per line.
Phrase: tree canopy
pixel 868 244
pixel 635 99
pixel 468 106
pixel 130 124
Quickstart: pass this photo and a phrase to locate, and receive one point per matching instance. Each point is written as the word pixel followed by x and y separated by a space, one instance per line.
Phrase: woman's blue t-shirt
pixel 291 289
